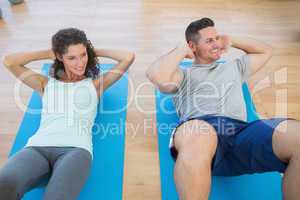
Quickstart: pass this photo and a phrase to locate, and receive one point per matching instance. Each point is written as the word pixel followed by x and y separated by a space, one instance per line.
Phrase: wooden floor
pixel 150 28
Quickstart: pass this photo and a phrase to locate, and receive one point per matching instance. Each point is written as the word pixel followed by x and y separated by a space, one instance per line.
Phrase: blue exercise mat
pixel 106 176
pixel 246 187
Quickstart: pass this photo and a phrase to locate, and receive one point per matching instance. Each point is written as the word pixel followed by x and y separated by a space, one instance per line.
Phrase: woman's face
pixel 75 59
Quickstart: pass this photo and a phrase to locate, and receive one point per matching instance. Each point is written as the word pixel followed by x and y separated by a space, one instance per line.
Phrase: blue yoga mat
pixel 106 177
pixel 246 187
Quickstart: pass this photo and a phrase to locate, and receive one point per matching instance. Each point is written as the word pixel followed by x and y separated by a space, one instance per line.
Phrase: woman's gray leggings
pixel 66 167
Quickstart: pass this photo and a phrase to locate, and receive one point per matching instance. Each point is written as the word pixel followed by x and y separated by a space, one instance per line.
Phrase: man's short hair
pixel 191 32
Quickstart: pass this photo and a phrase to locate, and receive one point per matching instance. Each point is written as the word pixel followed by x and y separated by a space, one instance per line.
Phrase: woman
pixel 62 146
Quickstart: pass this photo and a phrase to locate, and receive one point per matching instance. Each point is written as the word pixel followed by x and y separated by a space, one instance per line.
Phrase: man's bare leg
pixel 286 145
pixel 196 143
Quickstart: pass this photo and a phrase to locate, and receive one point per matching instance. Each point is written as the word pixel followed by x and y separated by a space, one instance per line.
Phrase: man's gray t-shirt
pixel 213 89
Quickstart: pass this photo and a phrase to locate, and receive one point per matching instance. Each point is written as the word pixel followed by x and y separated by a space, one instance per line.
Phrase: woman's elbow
pixel 130 57
pixel 7 61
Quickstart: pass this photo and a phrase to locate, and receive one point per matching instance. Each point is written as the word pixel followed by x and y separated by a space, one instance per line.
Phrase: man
pixel 213 137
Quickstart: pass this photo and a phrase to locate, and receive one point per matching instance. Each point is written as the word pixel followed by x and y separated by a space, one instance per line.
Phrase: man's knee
pixel 286 140
pixel 196 138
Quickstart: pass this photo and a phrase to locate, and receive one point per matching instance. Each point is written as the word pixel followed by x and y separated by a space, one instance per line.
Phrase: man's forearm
pixel 251 46
pixel 167 64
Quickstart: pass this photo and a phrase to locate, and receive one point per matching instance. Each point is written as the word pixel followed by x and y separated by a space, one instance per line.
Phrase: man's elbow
pixel 150 74
pixel 155 76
